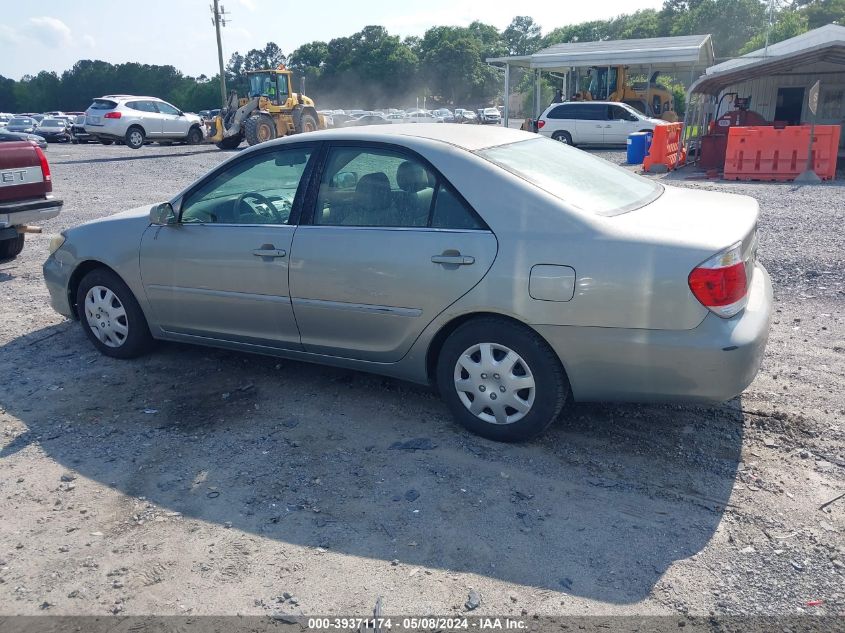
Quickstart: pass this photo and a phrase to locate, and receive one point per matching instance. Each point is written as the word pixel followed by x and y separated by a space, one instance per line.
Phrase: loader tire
pixel 307 123
pixel 259 129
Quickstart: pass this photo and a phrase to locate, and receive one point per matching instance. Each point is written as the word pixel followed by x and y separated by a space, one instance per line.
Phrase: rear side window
pixel 103 104
pixel 593 112
pixel 450 212
pixel 580 180
pixel 564 112
pixel 142 106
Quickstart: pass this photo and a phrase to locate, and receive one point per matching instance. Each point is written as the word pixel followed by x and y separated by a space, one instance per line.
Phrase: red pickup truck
pixel 25 194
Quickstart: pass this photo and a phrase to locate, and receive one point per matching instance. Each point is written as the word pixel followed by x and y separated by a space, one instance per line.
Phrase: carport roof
pixel 825 44
pixel 666 53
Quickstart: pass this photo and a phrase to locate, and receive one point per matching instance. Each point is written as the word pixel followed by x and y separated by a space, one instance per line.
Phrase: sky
pixel 54 34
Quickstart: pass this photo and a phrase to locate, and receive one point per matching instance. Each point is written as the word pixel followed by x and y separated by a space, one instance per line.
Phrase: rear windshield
pixel 51 123
pixel 102 104
pixel 581 180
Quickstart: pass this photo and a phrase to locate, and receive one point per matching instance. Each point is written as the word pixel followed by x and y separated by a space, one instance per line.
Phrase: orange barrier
pixel 666 151
pixel 768 153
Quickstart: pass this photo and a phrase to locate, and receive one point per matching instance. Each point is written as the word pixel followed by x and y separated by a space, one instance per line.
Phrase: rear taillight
pixel 112 115
pixel 721 283
pixel 540 124
pixel 45 166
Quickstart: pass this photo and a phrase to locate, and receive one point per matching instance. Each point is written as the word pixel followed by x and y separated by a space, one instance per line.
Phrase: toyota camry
pixel 513 273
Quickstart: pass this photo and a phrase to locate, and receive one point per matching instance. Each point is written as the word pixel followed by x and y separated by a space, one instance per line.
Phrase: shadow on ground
pixel 600 507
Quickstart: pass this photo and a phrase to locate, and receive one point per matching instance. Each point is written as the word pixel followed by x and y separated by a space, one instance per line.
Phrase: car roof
pixel 466 137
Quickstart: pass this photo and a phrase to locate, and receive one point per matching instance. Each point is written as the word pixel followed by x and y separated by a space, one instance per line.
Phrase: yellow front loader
pixel 271 110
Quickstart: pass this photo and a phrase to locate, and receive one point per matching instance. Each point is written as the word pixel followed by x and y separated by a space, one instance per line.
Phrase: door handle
pixel 269 252
pixel 455 260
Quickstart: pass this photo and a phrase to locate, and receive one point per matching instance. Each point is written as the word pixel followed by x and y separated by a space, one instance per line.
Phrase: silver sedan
pixel 512 272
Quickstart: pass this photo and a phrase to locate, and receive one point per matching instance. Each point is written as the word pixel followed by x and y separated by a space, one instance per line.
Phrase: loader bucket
pixel 215 134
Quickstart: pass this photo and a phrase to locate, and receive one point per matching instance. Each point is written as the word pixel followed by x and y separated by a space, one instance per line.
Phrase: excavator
pixel 271 110
pixel 611 83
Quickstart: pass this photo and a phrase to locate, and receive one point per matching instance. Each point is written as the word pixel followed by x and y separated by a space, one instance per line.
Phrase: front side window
pixel 260 189
pixel 166 108
pixel 618 113
pixel 580 180
pixel 387 188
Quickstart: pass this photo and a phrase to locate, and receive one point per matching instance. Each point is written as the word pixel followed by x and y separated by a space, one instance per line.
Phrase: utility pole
pixel 769 26
pixel 219 19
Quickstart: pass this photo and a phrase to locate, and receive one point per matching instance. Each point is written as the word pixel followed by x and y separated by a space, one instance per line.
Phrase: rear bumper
pixel 26 211
pixel 711 363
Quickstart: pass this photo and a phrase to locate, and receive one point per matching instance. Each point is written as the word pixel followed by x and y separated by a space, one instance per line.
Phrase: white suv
pixel 135 119
pixel 593 122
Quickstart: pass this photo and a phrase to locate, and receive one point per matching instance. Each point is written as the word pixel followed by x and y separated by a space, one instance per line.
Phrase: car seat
pixel 415 199
pixel 372 205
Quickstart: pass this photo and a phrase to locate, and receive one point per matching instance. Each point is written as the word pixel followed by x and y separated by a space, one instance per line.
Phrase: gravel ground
pixel 197 481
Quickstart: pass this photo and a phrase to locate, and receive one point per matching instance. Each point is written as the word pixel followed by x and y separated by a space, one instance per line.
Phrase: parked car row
pixel 353 118
pixel 124 119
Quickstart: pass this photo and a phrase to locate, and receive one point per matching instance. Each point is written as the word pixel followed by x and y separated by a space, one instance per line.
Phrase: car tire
pixel 110 315
pixel 535 381
pixel 134 138
pixel 194 137
pixel 106 141
pixel 563 137
pixel 9 249
pixel 259 128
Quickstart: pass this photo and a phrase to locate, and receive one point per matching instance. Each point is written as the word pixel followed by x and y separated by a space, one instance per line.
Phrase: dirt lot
pixel 196 481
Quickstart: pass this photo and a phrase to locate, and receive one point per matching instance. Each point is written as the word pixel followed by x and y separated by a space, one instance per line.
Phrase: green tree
pixel 821 12
pixel 788 23
pixel 522 36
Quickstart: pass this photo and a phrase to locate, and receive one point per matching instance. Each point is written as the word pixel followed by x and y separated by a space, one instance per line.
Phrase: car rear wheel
pixel 134 138
pixel 260 129
pixel 501 380
pixel 111 316
pixel 563 137
pixel 194 136
pixel 9 249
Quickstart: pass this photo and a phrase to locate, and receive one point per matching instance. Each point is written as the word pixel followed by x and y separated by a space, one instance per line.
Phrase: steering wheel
pixel 269 209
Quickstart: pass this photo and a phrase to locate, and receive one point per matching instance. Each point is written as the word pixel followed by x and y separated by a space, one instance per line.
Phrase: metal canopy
pixel 666 53
pixel 822 45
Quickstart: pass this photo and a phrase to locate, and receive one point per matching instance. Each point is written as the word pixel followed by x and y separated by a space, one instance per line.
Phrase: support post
pixel 538 92
pixel 220 55
pixel 507 92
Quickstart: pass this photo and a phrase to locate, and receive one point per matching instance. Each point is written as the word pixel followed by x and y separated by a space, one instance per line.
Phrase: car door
pixel 148 117
pixel 389 246
pixel 173 122
pixel 592 118
pixel 619 125
pixel 221 271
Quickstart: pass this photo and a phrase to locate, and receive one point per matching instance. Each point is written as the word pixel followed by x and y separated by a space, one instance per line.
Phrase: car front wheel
pixel 501 380
pixel 111 316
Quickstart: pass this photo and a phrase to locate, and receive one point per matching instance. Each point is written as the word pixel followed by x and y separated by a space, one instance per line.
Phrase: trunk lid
pixel 705 221
pixel 20 172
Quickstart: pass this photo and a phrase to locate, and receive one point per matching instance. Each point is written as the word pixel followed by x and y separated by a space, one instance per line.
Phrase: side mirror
pixel 162 214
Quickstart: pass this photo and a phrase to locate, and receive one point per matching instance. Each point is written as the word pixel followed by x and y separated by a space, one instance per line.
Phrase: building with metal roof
pixel 777 80
pixel 683 56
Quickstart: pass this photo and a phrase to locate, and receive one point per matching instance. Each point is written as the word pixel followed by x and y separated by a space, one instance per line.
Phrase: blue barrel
pixel 638 144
